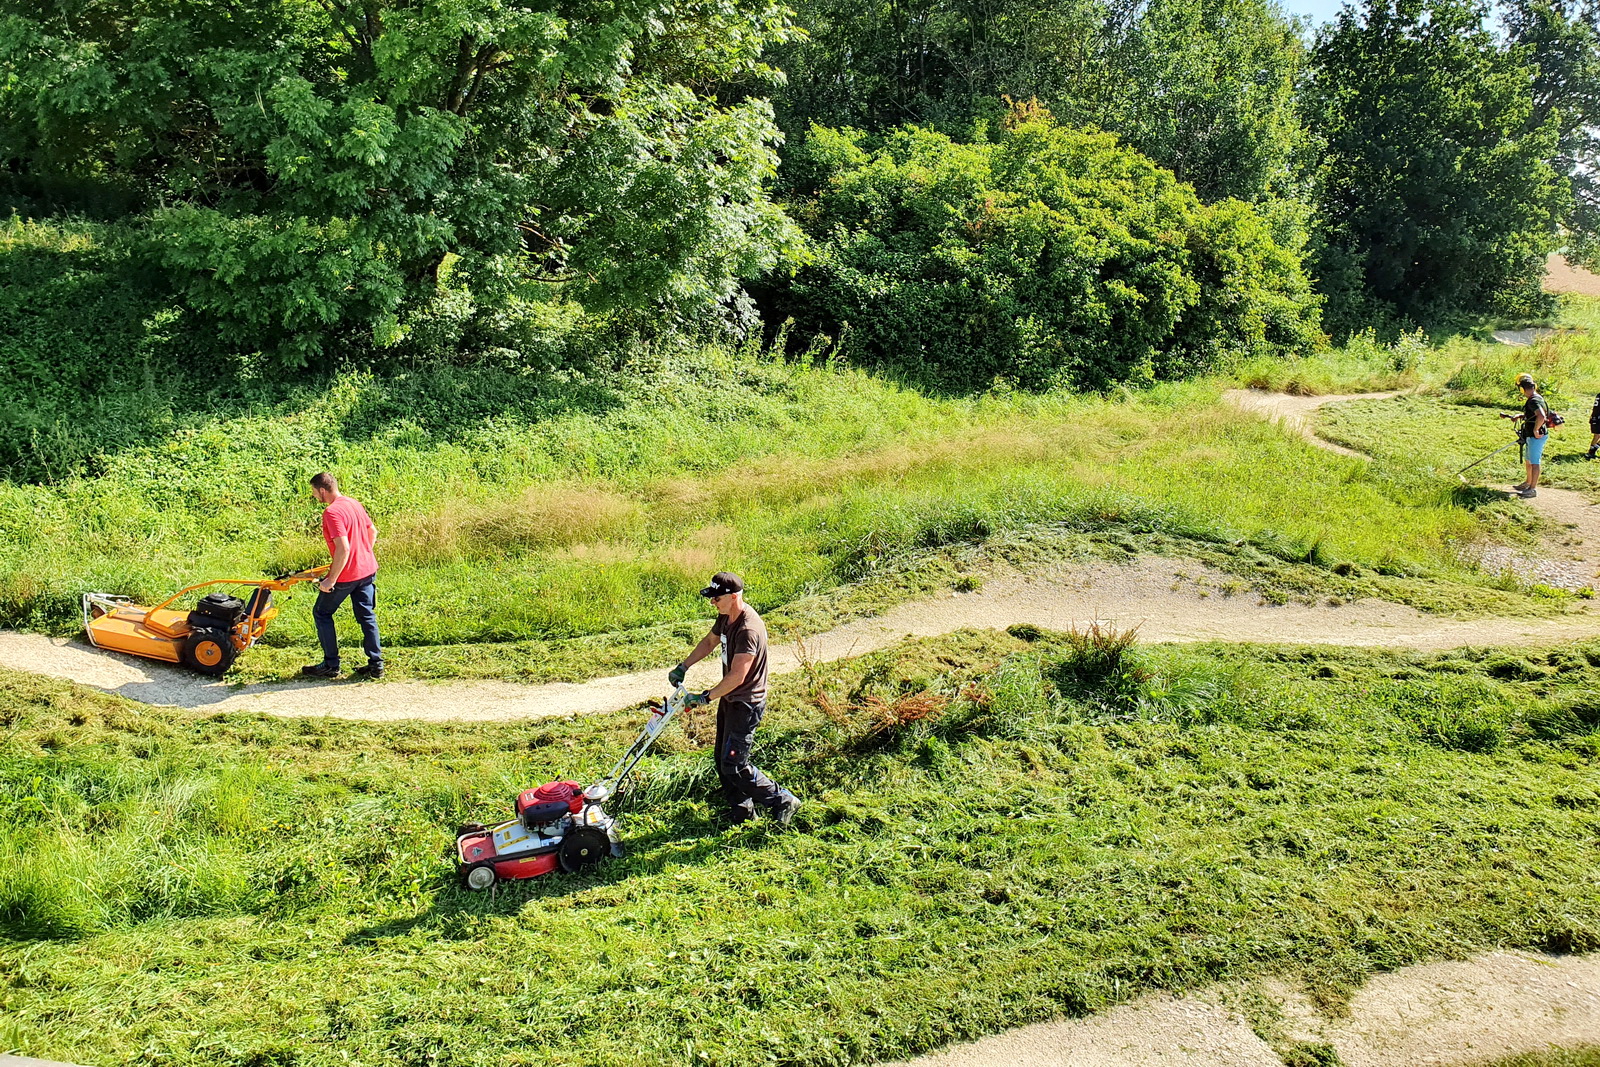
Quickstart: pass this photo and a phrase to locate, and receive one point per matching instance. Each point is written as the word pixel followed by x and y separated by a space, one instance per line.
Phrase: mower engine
pixel 556 826
pixel 559 824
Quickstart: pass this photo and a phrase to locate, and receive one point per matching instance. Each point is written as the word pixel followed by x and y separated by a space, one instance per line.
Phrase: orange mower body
pixel 207 638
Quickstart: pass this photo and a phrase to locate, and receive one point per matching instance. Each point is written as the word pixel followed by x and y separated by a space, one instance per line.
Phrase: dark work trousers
pixel 742 782
pixel 363 596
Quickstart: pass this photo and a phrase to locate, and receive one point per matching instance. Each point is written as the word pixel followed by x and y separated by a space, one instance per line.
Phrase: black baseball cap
pixel 723 583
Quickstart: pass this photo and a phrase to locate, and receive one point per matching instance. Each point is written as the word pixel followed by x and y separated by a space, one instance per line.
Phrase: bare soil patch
pixel 1563 277
pixel 1457 1012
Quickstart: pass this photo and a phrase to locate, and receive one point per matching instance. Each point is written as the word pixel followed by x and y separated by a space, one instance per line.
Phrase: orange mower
pixel 207 639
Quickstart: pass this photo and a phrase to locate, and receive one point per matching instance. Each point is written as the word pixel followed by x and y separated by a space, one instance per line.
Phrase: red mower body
pixel 559 825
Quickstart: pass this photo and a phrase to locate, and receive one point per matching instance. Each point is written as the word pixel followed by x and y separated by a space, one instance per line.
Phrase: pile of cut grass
pixel 1076 825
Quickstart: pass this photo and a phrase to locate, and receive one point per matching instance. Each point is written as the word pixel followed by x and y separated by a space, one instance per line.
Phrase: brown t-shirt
pixel 747 633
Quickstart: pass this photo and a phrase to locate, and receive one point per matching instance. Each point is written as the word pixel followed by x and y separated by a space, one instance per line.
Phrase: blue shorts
pixel 1535 449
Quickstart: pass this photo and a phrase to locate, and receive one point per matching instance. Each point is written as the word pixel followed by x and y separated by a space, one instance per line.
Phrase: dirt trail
pixel 1562 277
pixel 1570 560
pixel 1464 1012
pixel 1444 1013
pixel 1167 599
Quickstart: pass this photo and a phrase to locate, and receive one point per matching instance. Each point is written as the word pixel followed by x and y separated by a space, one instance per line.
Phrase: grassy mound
pixel 998 829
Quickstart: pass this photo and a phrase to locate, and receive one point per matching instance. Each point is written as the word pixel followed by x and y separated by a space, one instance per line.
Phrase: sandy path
pixel 1167 599
pixel 1434 1014
pixel 1562 277
pixel 1570 560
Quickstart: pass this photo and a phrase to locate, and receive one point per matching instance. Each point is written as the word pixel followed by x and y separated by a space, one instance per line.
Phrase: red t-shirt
pixel 345 517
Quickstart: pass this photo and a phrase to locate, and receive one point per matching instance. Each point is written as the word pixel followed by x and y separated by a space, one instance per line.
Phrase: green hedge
pixel 1043 256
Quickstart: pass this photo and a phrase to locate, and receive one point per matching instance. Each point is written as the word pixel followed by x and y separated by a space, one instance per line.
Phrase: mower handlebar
pixel 302 575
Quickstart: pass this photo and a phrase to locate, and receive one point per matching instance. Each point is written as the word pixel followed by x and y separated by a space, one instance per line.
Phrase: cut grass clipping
pixel 998 829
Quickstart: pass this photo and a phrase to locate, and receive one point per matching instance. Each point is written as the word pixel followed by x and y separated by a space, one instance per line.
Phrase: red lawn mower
pixel 559 824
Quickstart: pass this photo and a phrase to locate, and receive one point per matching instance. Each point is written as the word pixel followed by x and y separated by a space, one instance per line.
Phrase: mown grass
pixel 528 522
pixel 1070 827
pixel 1454 419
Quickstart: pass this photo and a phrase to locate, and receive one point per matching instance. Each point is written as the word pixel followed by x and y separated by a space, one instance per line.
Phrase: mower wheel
pixel 208 651
pixel 479 876
pixel 582 848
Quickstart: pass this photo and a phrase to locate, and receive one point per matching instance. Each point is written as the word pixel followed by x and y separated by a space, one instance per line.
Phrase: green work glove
pixel 695 700
pixel 676 675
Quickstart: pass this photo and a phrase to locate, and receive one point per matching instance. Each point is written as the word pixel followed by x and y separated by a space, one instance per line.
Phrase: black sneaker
pixel 320 670
pixel 1589 454
pixel 371 670
pixel 784 812
pixel 733 817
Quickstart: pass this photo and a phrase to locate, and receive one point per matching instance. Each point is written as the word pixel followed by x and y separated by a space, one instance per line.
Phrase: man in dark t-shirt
pixel 741 700
pixel 1532 430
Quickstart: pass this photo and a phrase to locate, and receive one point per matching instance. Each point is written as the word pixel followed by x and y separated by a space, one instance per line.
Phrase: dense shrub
pixel 92 352
pixel 1046 255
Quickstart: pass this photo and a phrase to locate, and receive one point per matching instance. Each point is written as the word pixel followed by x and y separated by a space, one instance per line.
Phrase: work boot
pixel 371 670
pixel 320 670
pixel 1528 494
pixel 734 816
pixel 784 812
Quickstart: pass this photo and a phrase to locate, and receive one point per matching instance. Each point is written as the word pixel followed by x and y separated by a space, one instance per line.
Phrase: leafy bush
pixel 319 177
pixel 1048 255
pixel 92 353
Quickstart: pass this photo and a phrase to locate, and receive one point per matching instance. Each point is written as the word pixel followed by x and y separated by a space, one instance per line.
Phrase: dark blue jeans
pixel 363 595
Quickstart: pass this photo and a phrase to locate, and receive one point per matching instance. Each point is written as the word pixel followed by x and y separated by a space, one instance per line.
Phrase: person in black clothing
pixel 1594 429
pixel 1532 431
pixel 742 700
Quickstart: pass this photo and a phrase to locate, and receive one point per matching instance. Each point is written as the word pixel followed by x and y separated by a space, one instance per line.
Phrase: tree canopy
pixel 1436 185
pixel 367 168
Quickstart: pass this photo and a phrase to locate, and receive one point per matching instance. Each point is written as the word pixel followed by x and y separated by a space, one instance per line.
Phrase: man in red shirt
pixel 350 535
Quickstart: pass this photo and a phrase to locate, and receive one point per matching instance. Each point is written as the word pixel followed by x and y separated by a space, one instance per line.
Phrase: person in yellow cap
pixel 1533 428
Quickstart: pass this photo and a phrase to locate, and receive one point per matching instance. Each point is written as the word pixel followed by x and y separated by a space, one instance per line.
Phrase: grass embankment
pixel 1072 829
pixel 540 528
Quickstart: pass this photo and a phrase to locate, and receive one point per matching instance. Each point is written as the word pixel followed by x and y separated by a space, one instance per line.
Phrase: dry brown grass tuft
pixel 872 719
pixel 541 516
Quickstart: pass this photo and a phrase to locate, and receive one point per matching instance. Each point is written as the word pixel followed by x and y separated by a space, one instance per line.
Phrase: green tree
pixel 1203 87
pixel 1049 256
pixel 359 170
pixel 1562 41
pixel 1206 88
pixel 1435 190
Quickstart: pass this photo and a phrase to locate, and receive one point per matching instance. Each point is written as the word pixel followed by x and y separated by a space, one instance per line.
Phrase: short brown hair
pixel 324 480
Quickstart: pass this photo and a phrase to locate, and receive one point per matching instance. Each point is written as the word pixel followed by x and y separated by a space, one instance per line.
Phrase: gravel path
pixel 1167 599
pixel 1462 1012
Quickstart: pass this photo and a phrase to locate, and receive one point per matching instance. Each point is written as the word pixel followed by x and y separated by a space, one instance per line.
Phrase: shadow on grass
pixel 1472 497
pixel 698 838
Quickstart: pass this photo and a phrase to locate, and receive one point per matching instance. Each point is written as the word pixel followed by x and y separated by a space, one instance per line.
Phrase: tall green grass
pixel 241 889
pixel 574 516
pixel 552 525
